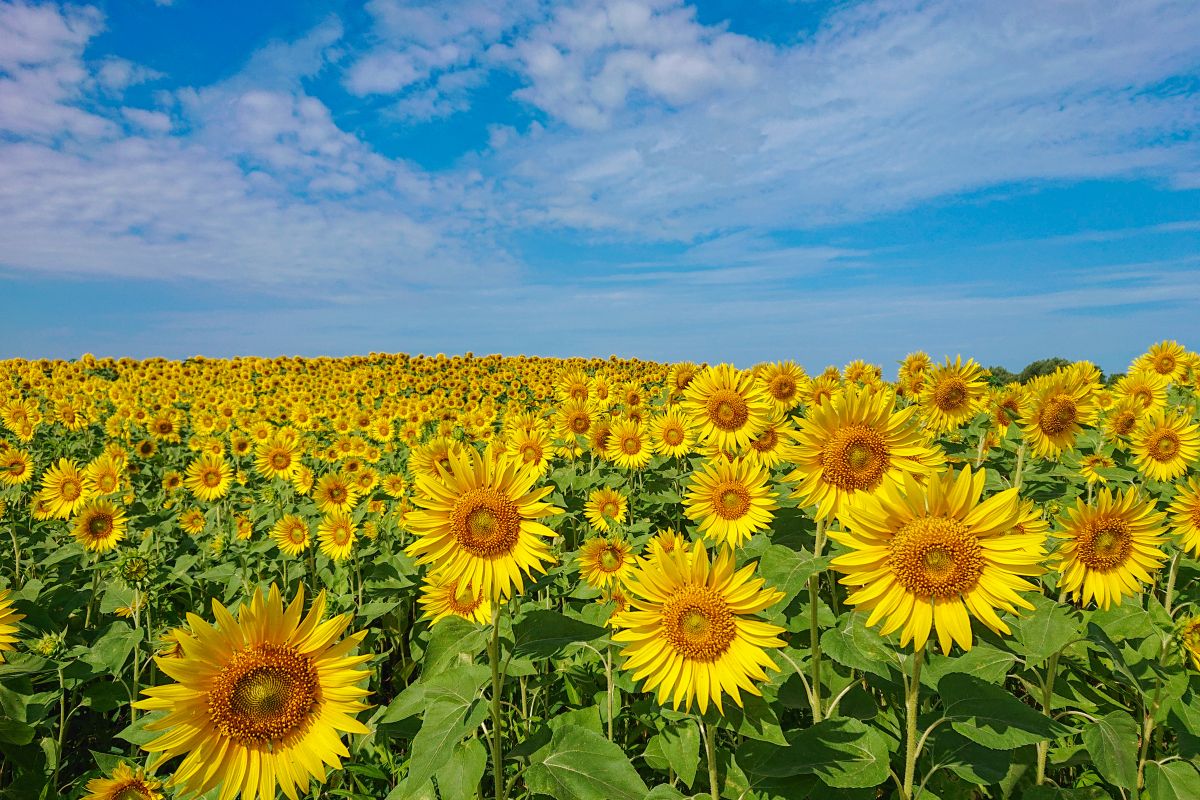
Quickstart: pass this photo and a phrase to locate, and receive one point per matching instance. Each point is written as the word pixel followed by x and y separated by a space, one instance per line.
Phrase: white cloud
pixel 149 121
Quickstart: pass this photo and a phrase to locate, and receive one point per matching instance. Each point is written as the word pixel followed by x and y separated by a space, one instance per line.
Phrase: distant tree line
pixel 1044 366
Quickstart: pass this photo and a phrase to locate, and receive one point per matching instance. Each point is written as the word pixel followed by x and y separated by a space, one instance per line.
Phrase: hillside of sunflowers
pixel 413 577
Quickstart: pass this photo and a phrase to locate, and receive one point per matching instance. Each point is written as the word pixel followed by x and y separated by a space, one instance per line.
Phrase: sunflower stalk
pixel 710 754
pixel 1016 479
pixel 1172 573
pixel 814 585
pixel 912 693
pixel 1043 748
pixel 608 675
pixel 493 650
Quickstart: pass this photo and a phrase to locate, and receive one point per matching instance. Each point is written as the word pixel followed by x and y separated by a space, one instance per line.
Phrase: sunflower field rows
pixel 414 578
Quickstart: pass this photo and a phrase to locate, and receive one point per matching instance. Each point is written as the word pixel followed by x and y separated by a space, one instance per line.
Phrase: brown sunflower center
pixel 70 489
pixel 298 534
pixel 1124 423
pixel 1163 445
pixel 1058 415
pixel 782 387
pixel 1164 364
pixel 1145 396
pixel 950 394
pixel 486 523
pixel 698 624
pixel 631 445
pixel 936 557
pixel 855 458
pixel 731 500
pixel 766 441
pixel 264 694
pixel 609 508
pixel 211 477
pixel 728 410
pixel 133 790
pixel 280 459
pixel 107 483
pixel 531 453
pixel 338 494
pixel 579 423
pixel 100 525
pixel 1105 543
pixel 673 436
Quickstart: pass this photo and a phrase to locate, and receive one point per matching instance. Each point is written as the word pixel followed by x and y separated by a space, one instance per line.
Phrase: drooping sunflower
pixel 260 701
pixel 731 500
pixel 480 523
pixel 667 540
pixel 854 444
pixel 444 595
pixel 1189 637
pixel 689 630
pixel 99 526
pixel 1054 413
pixel 1166 358
pixel 1110 549
pixel 931 556
pixel 208 477
pixel 728 406
pixel 1185 515
pixel 605 560
pixel 953 393
pixel 336 533
pixel 8 622
pixel 16 467
pixel 533 447
pixel 335 491
pixel 628 445
pixel 63 489
pixel 604 507
pixel 126 783
pixel 1165 444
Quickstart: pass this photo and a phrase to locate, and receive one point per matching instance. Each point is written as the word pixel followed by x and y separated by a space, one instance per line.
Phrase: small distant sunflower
pixel 573 419
pixel 1123 418
pixel 1185 515
pixel 1091 464
pixel 599 435
pixel 291 534
pixel 1148 388
pixel 605 560
pixel 394 485
pixel 277 457
pixel 8 622
pixel 1110 549
pixel 480 523
pixel 193 521
pixel 922 556
pixel 99 526
pixel 628 445
pixel 604 507
pixel 444 596
pixel 785 382
pixel 103 475
pixel 727 405
pixel 208 477
pixel 689 631
pixel 337 533
pixel 1055 411
pixel 667 540
pixel 533 447
pixel 125 784
pixel 822 390
pixel 1165 444
pixel 146 448
pixel 952 395
pixel 335 491
pixel 260 701
pixel 63 489
pixel 671 434
pixel 731 500
pixel 172 481
pixel 16 467
pixel 774 445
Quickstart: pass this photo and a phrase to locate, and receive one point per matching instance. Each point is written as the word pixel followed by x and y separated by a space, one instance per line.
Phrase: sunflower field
pixel 407 577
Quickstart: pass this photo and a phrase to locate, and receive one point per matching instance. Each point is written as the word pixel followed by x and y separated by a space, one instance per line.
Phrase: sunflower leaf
pixel 545 634
pixel 1112 742
pixel 583 765
pixel 987 714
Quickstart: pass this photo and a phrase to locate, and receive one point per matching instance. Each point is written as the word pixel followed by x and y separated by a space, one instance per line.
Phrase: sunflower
pixel 260 700
pixel 776 443
pixel 667 540
pixel 337 533
pixel 952 395
pixel 480 523
pixel 1164 445
pixel 854 444
pixel 63 489
pixel 277 457
pixel 670 433
pixel 193 521
pixel 1123 418
pixel 208 477
pixel 291 534
pixel 16 467
pixel 1185 515
pixel 598 436
pixel 434 454
pixel 125 784
pixel 923 556
pixel 444 595
pixel 394 485
pixel 728 406
pixel 1189 637
pixel 605 560
pixel 628 445
pixel 784 382
pixel 99 526
pixel 604 507
pixel 1110 549
pixel 822 390
pixel 689 630
pixel 146 448
pixel 731 500
pixel 1055 411
pixel 8 622
pixel 573 419
pixel 1091 464
pixel 335 491
pixel 1166 358
pixel 1148 388
pixel 103 475
pixel 533 447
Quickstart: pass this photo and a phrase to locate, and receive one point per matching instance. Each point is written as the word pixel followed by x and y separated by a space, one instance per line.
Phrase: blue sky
pixel 722 180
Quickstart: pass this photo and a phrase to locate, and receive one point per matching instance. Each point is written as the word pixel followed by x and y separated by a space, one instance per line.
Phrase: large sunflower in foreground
pixel 125 784
pixel 689 629
pixel 731 500
pixel 260 700
pixel 931 556
pixel 728 406
pixel 1185 515
pixel 1110 548
pixel 952 394
pixel 480 524
pixel 1165 444
pixel 851 445
pixel 8 622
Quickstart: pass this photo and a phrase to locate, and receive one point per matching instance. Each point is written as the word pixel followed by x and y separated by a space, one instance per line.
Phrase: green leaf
pixel 1047 629
pixel 582 765
pixel 15 732
pixel 788 570
pixel 453 708
pixel 458 778
pixel 989 715
pixel 843 753
pixel 136 732
pixel 982 661
pixel 544 634
pixel 1112 742
pixel 754 719
pixel 853 644
pixel 1172 781
pixel 680 745
pixel 453 642
pixel 974 763
pixel 112 649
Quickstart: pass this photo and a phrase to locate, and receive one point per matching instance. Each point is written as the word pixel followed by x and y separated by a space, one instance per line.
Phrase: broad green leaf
pixel 987 714
pixel 788 570
pixel 983 661
pixel 679 747
pixel 1112 741
pixel 854 645
pixel 843 753
pixel 582 765
pixel 15 732
pixel 971 761
pixel 754 719
pixel 1175 780
pixel 136 732
pixel 114 646
pixel 544 634
pixel 1044 631
pixel 458 778
pixel 453 708
pixel 453 642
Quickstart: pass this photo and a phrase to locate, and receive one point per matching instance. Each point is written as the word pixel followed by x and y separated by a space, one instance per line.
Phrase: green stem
pixel 608 675
pixel 16 554
pixel 87 619
pixel 710 753
pixel 912 693
pixel 814 583
pixel 1043 748
pixel 1016 480
pixel 62 726
pixel 497 717
pixel 137 669
pixel 1169 597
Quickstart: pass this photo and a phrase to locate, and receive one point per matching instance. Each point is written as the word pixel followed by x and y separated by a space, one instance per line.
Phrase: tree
pixel 1044 366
